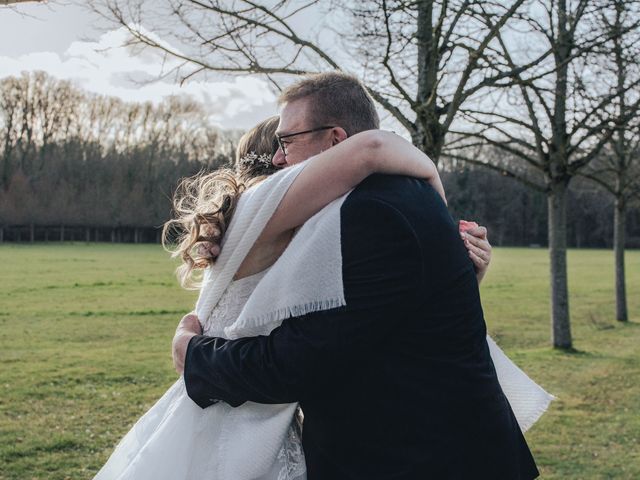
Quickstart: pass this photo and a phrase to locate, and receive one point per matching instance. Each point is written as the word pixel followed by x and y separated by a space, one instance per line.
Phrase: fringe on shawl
pixel 537 413
pixel 270 320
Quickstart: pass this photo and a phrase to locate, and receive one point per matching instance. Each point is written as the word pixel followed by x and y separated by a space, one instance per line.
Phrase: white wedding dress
pixel 177 440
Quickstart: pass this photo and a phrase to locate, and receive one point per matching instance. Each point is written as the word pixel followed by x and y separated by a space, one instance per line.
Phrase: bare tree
pixel 8 3
pixel 618 168
pixel 618 173
pixel 421 60
pixel 555 120
pixel 75 159
pixel 9 108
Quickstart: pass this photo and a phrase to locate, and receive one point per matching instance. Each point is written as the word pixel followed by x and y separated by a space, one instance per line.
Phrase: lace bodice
pixel 230 304
pixel 290 459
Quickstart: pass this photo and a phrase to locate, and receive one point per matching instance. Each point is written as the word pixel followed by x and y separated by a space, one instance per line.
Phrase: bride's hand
pixel 475 239
pixel 188 328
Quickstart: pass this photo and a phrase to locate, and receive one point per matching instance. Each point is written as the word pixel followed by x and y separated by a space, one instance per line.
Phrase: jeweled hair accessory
pixel 252 159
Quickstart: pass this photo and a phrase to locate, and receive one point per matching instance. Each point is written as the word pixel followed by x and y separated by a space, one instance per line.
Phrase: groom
pixel 399 383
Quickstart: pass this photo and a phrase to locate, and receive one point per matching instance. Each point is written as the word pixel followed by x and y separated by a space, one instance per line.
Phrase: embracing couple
pixel 339 332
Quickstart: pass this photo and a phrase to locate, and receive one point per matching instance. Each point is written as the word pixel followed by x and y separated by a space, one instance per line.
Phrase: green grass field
pixel 85 334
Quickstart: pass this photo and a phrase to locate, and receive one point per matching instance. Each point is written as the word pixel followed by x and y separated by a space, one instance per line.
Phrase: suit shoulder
pixel 381 200
pixel 398 191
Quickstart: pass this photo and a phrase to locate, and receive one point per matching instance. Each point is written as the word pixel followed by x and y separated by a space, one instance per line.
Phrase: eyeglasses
pixel 282 145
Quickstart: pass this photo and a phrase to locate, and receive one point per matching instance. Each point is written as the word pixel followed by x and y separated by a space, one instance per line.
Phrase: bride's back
pixel 230 305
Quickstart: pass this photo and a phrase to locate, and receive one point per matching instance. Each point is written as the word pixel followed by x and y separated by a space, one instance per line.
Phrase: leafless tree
pixel 618 173
pixel 9 100
pixel 617 169
pixel 421 60
pixel 74 158
pixel 7 3
pixel 35 107
pixel 14 5
pixel 555 120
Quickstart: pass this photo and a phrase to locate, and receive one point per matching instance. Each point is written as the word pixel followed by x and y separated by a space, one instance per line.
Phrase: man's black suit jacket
pixel 399 384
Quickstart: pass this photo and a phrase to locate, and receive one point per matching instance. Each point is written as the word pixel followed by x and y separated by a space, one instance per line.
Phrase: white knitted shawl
pixel 307 277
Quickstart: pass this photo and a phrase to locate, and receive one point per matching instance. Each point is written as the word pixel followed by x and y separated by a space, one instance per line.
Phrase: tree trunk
pixel 87 234
pixel 560 321
pixel 32 233
pixel 427 134
pixel 1 234
pixel 430 141
pixel 113 235
pixel 46 234
pixel 62 233
pixel 619 227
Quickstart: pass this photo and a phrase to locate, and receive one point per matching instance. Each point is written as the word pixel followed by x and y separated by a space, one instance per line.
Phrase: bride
pixel 176 439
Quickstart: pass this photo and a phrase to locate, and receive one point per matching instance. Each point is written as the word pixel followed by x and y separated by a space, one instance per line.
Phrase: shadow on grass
pixel 628 324
pixel 574 352
pixel 15 452
pixel 135 313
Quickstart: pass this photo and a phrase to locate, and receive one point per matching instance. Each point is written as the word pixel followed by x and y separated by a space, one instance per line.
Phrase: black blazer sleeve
pixel 382 273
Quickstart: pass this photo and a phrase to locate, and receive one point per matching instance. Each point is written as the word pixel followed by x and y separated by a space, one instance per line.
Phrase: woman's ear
pixel 338 135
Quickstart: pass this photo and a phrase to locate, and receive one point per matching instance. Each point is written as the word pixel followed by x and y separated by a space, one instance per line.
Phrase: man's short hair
pixel 335 98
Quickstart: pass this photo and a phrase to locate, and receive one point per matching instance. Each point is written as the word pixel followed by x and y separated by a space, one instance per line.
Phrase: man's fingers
pixel 178 365
pixel 208 249
pixel 190 316
pixel 190 323
pixel 179 350
pixel 188 326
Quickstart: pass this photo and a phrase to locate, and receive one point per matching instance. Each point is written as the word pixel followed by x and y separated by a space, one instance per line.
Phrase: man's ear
pixel 338 135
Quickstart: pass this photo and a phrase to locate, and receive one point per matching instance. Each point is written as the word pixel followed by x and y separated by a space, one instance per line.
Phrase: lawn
pixel 85 334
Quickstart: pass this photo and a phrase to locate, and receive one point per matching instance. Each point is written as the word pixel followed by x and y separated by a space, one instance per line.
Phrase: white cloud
pixel 105 67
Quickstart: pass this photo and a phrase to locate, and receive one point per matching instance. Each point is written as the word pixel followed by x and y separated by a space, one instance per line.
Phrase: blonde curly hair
pixel 204 203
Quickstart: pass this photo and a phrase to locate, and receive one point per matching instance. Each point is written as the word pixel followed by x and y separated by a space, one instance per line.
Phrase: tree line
pixel 75 165
pixel 78 166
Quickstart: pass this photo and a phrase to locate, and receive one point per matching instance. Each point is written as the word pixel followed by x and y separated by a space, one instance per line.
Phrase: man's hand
pixel 208 250
pixel 188 328
pixel 475 239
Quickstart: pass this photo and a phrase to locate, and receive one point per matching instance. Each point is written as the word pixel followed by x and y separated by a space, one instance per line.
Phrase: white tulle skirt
pixel 177 440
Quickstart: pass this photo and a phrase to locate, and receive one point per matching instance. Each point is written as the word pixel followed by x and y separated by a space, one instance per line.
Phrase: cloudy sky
pixel 70 42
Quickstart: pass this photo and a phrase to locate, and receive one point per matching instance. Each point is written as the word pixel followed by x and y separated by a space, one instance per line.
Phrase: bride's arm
pixel 334 172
